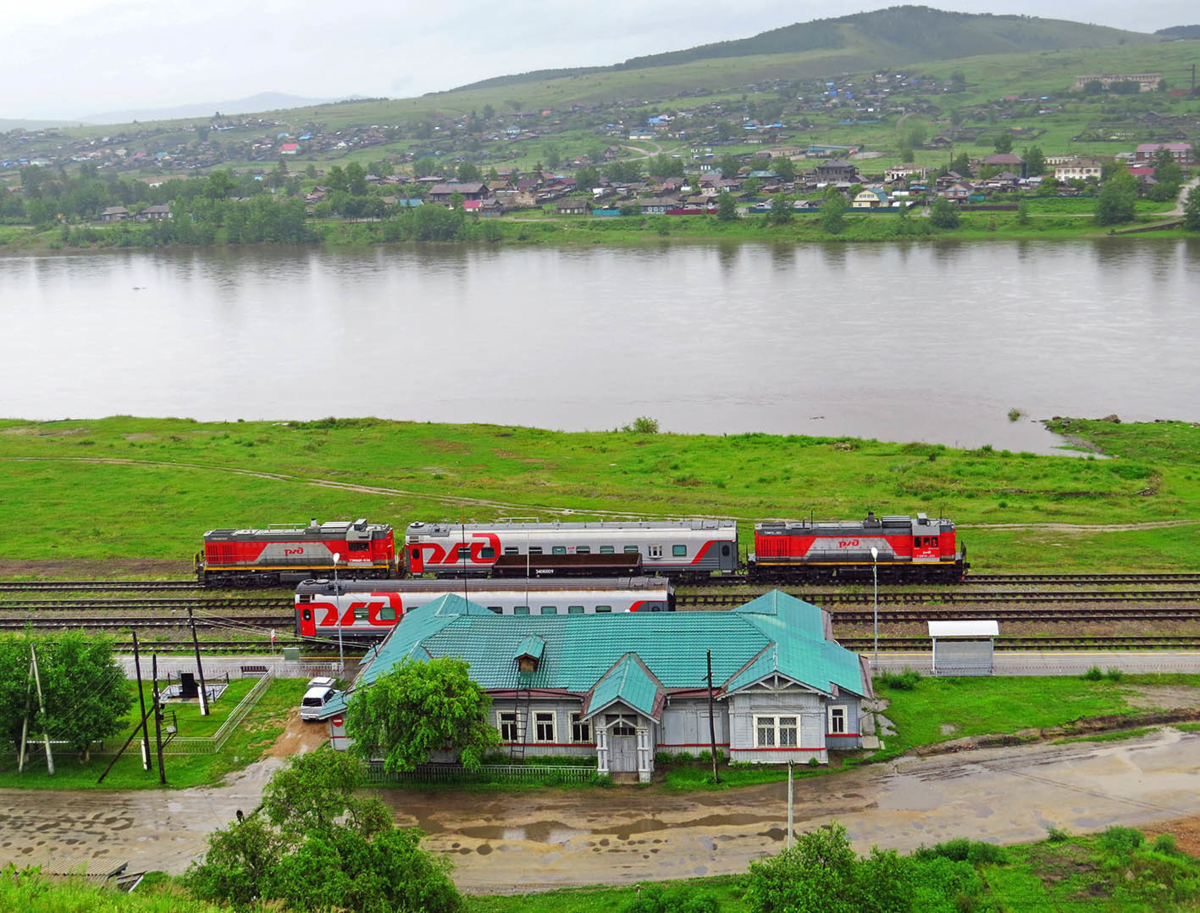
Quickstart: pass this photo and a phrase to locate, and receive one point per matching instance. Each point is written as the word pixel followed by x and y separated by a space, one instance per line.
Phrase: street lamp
pixel 875 572
pixel 337 591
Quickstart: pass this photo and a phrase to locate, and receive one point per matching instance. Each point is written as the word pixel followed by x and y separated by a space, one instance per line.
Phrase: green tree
pixel 587 178
pixel 916 136
pixel 488 112
pixel 785 168
pixel 553 156
pixel 220 185
pixel 1167 170
pixel 1035 162
pixel 623 172
pixel 726 208
pixel 356 179
pixel 316 845
pixel 85 692
pixel 906 154
pixel 942 214
pixel 456 201
pixel 424 166
pixel 468 172
pixel 1115 204
pixel 781 210
pixel 1093 87
pixel 1023 212
pixel 820 872
pixel 961 164
pixel 382 168
pixel 729 166
pixel 14 686
pixel 1191 210
pixel 310 171
pixel 833 213
pixel 419 708
pixel 958 81
pixel 337 180
pixel 751 186
pixel 1004 142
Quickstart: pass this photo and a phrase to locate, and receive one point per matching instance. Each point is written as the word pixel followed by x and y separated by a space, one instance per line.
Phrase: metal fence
pixel 251 667
pixel 180 745
pixel 448 773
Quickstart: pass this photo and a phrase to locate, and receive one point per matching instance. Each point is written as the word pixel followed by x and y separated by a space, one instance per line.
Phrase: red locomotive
pixel 290 554
pixel 906 550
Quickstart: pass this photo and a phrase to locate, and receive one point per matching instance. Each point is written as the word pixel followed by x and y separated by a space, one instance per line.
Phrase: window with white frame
pixel 543 727
pixel 621 724
pixel 581 729
pixel 837 720
pixel 776 732
pixel 508 727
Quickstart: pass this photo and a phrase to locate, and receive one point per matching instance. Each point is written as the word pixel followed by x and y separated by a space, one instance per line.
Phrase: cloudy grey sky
pixel 69 58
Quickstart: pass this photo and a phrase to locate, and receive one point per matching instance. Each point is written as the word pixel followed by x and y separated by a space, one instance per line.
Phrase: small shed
pixel 963 647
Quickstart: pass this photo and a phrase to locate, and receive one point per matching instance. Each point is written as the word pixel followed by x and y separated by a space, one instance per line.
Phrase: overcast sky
pixel 70 58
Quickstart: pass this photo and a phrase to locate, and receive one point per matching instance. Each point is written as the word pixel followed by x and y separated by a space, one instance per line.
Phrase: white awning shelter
pixel 963 647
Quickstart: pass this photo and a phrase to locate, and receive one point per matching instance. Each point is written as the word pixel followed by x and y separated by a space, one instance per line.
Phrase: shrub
pixel 1056 835
pixel 643 424
pixel 1014 414
pixel 655 898
pixel 705 757
pixel 1165 844
pixel 1093 674
pixel 662 757
pixel 1114 675
pixel 1123 840
pixel 684 757
pixel 901 681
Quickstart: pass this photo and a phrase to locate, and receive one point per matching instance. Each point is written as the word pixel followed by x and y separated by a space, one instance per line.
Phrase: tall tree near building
pixel 726 208
pixel 1191 210
pixel 419 708
pixel 85 690
pixel 1115 204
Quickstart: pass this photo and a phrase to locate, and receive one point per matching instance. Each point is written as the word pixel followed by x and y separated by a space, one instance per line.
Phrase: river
pixel 933 342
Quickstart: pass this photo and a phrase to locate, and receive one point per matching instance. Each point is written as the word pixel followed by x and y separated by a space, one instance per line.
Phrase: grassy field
pixel 257 732
pixel 941 709
pixel 130 488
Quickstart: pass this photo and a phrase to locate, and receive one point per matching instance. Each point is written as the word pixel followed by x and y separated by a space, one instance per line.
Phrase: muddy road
pixel 549 838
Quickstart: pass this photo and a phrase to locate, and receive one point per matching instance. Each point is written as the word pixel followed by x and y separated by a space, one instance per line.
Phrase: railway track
pixel 31 586
pixel 1049 642
pixel 107 622
pixel 988 580
pixel 148 604
pixel 227 646
pixel 951 597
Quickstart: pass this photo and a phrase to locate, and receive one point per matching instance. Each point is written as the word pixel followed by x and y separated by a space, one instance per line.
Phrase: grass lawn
pixel 940 709
pixel 256 732
pixel 726 889
pixel 126 487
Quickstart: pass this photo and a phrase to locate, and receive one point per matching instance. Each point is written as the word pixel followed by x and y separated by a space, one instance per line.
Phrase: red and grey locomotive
pixel 290 554
pixel 899 549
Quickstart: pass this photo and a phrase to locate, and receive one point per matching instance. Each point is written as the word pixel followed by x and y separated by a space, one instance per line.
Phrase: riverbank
pixel 136 488
pixel 1052 224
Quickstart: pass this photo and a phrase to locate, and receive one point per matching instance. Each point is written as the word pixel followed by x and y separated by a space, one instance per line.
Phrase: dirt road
pixel 529 840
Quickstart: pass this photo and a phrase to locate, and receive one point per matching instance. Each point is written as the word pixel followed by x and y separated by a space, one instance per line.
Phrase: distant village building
pixel 114 214
pixel 1147 82
pixel 837 170
pixel 1078 169
pixel 1183 153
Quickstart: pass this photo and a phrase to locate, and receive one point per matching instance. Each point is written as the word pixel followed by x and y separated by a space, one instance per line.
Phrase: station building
pixel 624 687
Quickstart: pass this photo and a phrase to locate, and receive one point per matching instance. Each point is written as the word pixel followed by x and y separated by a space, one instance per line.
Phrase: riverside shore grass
pixel 123 488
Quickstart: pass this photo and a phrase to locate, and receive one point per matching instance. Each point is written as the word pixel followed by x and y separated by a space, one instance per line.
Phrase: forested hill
pixel 1180 31
pixel 899 34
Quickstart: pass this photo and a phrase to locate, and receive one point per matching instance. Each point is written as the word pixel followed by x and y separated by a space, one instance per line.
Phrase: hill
pixel 888 37
pixel 252 104
pixel 1180 31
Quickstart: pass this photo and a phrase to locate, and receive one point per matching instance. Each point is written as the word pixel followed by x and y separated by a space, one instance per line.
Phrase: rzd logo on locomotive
pixel 294 551
pixel 847 543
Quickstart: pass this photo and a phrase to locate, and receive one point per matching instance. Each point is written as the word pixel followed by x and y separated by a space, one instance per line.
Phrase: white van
pixel 320 692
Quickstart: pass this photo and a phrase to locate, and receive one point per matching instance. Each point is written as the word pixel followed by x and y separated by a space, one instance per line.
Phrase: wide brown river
pixel 931 342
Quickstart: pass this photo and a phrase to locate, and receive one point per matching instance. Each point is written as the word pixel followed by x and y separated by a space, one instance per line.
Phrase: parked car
pixel 320 692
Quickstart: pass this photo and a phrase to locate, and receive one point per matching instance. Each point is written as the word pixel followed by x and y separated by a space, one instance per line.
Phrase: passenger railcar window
pixel 574 610
pixel 583 550
pixel 679 551
pixel 535 549
pixel 603 608
pixel 606 550
pixel 387 613
pixel 559 550
pixel 487 552
pixel 549 610
pixel 630 550
pixel 654 551
pixel 464 552
pixel 521 610
pixel 511 550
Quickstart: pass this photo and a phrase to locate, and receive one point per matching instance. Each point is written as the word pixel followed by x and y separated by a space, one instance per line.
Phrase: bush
pixel 900 681
pixel 1093 674
pixel 684 757
pixel 1056 835
pixel 655 898
pixel 1114 675
pixel 1165 844
pixel 662 758
pixel 1123 840
pixel 643 424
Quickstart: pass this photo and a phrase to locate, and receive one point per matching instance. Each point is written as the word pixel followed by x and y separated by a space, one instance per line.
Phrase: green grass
pixel 171 479
pixel 726 889
pixel 1002 705
pixel 257 732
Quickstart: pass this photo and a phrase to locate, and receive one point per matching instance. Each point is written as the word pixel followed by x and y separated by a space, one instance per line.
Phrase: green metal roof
pixel 774 633
pixel 629 682
pixel 532 646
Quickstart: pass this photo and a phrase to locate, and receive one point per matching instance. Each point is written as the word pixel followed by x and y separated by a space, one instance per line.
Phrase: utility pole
pixel 337 592
pixel 25 721
pixel 788 845
pixel 712 726
pixel 199 666
pixel 162 770
pixel 137 666
pixel 37 681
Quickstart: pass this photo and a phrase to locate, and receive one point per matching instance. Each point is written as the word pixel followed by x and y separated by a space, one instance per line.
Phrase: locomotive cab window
pixel 360 546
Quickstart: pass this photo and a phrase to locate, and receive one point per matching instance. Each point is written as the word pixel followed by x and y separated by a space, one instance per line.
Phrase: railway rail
pixel 32 586
pixel 148 604
pixel 107 622
pixel 1045 642
pixel 954 597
